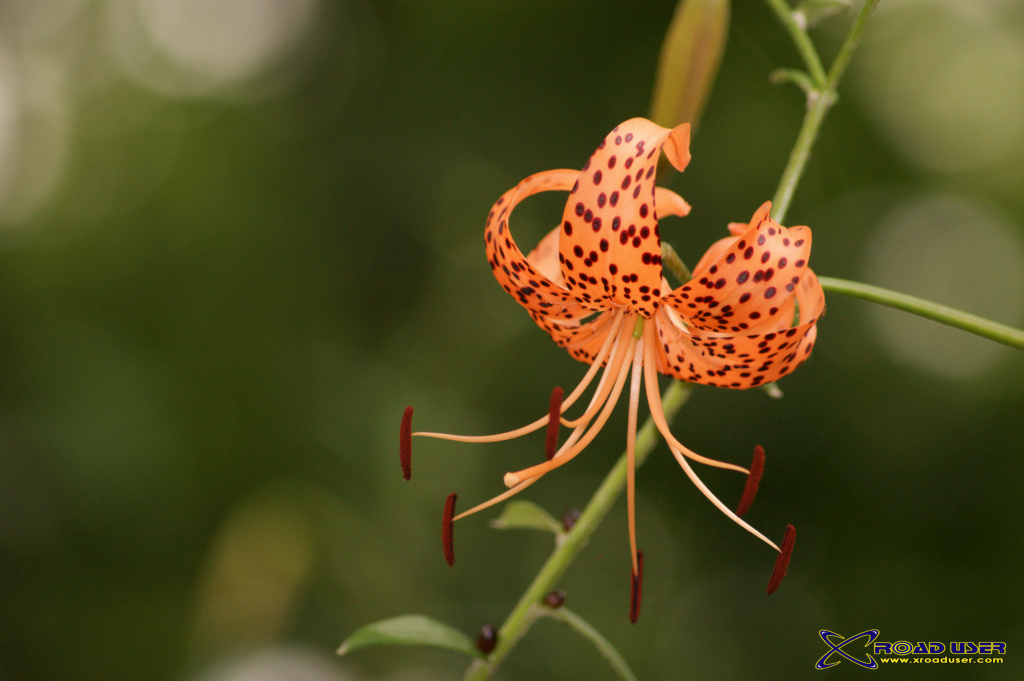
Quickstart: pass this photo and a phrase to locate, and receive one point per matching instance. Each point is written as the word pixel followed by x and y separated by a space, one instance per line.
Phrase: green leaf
pixel 584 629
pixel 525 515
pixel 410 630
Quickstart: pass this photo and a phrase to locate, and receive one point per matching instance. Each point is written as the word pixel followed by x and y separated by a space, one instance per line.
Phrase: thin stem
pixel 842 60
pixel 522 616
pixel 1000 333
pixel 800 38
pixel 818 103
pixel 675 264
pixel 798 157
pixel 588 632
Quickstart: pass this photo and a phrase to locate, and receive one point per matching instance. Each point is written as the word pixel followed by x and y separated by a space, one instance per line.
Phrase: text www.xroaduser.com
pixel 942 660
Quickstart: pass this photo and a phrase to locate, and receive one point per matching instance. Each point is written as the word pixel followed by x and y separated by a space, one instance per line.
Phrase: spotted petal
pixel 737 361
pixel 751 283
pixel 748 315
pixel 610 250
pixel 524 282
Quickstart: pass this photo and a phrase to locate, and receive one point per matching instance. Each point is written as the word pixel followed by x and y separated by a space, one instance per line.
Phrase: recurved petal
pixel 609 246
pixel 810 297
pixel 544 257
pixel 522 280
pixel 731 361
pixel 750 283
pixel 670 203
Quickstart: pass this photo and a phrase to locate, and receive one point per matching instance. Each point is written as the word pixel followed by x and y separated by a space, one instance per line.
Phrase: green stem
pixel 588 632
pixel 675 264
pixel 801 40
pixel 1007 335
pixel 818 102
pixel 523 616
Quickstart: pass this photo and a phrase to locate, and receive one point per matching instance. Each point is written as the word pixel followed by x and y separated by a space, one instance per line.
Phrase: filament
pixel 543 421
pixel 658 412
pixel 634 401
pixel 564 455
pixel 714 500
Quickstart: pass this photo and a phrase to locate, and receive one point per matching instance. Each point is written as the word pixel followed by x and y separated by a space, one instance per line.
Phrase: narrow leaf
pixel 525 515
pixel 584 629
pixel 410 630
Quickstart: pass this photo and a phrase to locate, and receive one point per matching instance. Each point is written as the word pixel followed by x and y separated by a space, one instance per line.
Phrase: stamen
pixel 405 443
pixel 658 411
pixel 543 421
pixel 487 639
pixel 714 500
pixel 610 344
pixel 753 480
pixel 636 587
pixel 634 401
pixel 495 500
pixel 554 420
pixel 564 456
pixel 446 529
pixel 608 349
pixel 782 562
pixel 617 356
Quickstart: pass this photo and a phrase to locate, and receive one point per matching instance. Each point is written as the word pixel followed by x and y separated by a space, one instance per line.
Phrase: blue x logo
pixel 837 647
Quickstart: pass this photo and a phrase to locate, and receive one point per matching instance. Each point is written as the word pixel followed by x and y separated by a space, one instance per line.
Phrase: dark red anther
pixel 555 599
pixel 569 518
pixel 753 480
pixel 405 443
pixel 487 639
pixel 636 589
pixel 782 562
pixel 446 529
pixel 554 421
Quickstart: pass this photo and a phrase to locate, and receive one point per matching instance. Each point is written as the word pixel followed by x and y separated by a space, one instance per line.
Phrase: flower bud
pixel 690 56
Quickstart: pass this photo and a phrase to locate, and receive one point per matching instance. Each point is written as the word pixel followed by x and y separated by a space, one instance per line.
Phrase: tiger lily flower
pixel 595 285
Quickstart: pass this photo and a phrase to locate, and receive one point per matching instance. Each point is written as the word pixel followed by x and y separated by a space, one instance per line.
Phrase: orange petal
pixel 583 341
pixel 731 361
pixel 544 257
pixel 748 285
pixel 610 248
pixel 524 282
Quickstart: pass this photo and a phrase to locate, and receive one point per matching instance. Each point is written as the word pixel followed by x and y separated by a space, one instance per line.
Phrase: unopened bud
pixel 688 66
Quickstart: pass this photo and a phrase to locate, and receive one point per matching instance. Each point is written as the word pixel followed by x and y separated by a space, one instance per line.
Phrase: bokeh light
pixel 944 80
pixel 203 47
pixel 954 252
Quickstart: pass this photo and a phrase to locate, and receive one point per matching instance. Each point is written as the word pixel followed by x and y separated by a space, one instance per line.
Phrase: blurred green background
pixel 239 238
